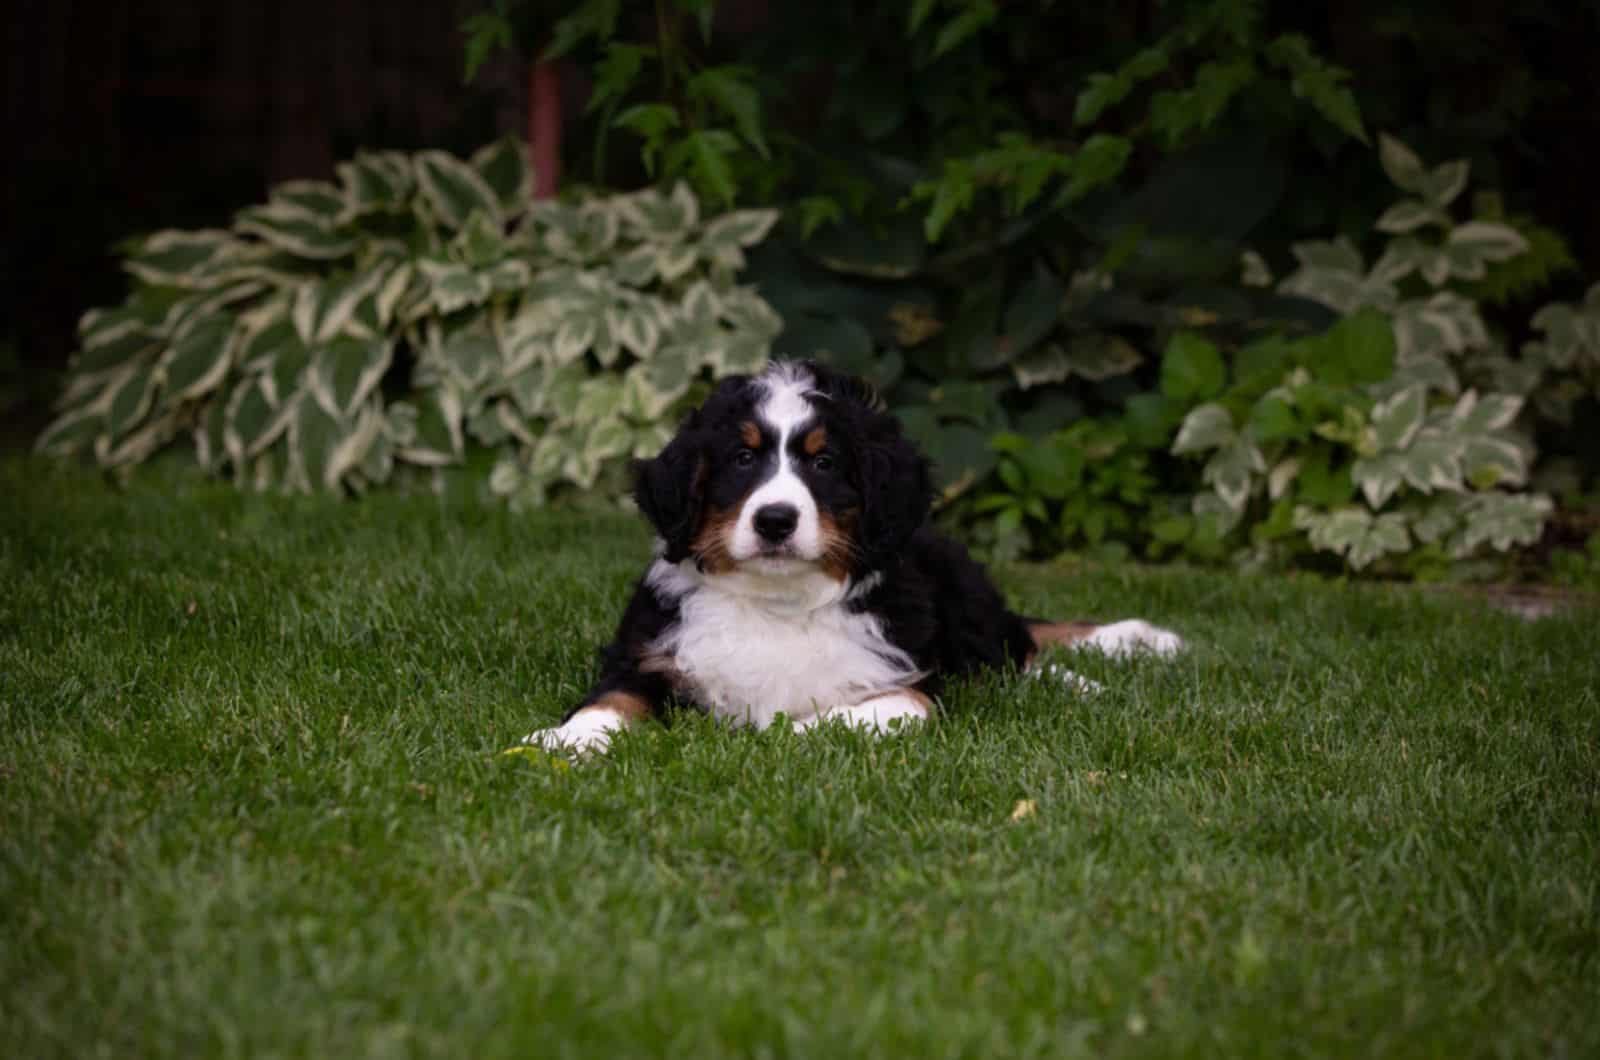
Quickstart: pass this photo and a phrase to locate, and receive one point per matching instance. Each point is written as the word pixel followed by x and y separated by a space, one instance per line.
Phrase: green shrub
pixel 346 331
pixel 1368 440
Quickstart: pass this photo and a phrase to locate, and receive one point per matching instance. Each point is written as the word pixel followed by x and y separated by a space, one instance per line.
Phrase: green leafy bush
pixel 1368 440
pixel 342 332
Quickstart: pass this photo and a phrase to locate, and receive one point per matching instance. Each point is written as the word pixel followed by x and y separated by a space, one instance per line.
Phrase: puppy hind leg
pixel 879 714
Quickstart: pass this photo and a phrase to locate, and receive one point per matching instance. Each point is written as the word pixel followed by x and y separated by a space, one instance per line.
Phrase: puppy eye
pixel 745 457
pixel 822 462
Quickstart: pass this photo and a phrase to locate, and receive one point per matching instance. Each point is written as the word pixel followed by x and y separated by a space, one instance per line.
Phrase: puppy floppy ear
pixel 670 489
pixel 896 490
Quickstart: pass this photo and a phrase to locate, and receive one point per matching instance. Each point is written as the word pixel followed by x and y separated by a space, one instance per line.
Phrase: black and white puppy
pixel 796 573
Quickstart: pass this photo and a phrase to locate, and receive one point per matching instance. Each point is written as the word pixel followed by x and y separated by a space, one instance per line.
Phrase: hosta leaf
pixel 574 336
pixel 175 258
pixel 527 389
pixel 674 260
pixel 650 388
pixel 374 182
pixel 638 329
pixel 1208 426
pixel 294 232
pixel 314 436
pixel 1397 419
pixel 131 397
pixel 743 309
pixel 252 423
pixel 454 189
pixel 607 439
pixel 505 168
pixel 740 354
pixel 197 362
pixel 285 373
pixel 435 437
pixel 563 388
pixel 344 373
pixel 636 268
pixel 138 445
pixel 70 433
pixel 452 286
pixel 316 199
pixel 469 354
pixel 335 305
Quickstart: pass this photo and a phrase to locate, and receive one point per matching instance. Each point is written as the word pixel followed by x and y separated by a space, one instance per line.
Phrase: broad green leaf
pixel 729 90
pixel 1032 312
pixel 1272 419
pixel 375 182
pixel 314 436
pixel 1379 477
pixel 1191 368
pixel 71 433
pixel 1232 469
pixel 1473 414
pixel 132 395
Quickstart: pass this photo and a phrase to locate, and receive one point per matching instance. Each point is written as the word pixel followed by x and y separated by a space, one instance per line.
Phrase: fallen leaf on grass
pixel 1023 808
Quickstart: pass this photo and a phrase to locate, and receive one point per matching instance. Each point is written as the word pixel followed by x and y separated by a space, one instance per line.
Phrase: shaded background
pixel 125 116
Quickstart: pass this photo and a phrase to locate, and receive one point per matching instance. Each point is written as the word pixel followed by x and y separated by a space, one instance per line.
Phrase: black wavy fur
pixel 934 600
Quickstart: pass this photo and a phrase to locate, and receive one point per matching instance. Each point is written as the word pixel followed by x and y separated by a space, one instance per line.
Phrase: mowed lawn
pixel 251 804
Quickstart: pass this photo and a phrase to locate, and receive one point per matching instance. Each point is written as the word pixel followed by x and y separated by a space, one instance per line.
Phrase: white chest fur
pixel 753 647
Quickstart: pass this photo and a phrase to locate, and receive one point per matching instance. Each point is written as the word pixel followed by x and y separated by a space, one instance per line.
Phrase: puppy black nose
pixel 774 522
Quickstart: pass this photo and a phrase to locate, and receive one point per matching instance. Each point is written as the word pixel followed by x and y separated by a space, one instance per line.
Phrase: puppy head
pixel 788 472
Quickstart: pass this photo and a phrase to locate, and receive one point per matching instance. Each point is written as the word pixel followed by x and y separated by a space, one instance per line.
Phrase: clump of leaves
pixel 344 332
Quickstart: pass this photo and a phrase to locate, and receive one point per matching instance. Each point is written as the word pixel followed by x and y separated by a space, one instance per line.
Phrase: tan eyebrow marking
pixel 814 441
pixel 750 434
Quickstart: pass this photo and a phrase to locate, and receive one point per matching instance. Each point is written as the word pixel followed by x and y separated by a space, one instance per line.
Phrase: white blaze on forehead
pixel 785 408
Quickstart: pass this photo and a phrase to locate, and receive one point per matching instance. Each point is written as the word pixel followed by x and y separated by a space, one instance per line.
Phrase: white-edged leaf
pixel 1408 215
pixel 297 233
pixel 1208 426
pixel 1401 164
pixel 197 362
pixel 454 190
pixel 1397 419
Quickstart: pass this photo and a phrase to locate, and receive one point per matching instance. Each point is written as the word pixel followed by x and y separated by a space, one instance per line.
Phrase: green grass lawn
pixel 250 804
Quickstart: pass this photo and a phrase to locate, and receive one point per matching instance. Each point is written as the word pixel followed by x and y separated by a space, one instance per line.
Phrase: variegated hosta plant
pixel 344 332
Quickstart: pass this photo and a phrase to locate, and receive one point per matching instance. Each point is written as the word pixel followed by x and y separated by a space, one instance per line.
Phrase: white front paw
pixel 586 732
pixel 1121 639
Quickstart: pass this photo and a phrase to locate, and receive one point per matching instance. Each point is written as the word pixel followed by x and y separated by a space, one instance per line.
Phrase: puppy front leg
pixel 589 728
pixel 877 713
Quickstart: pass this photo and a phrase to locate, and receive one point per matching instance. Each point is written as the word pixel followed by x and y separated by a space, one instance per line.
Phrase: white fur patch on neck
pixel 752 647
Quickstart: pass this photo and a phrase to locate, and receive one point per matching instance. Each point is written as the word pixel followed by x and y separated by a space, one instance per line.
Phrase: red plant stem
pixel 544 127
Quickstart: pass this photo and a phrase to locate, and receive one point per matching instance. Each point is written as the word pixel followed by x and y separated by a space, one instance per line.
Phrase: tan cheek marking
pixel 626 704
pixel 713 543
pixel 750 434
pixel 815 440
pixel 837 533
